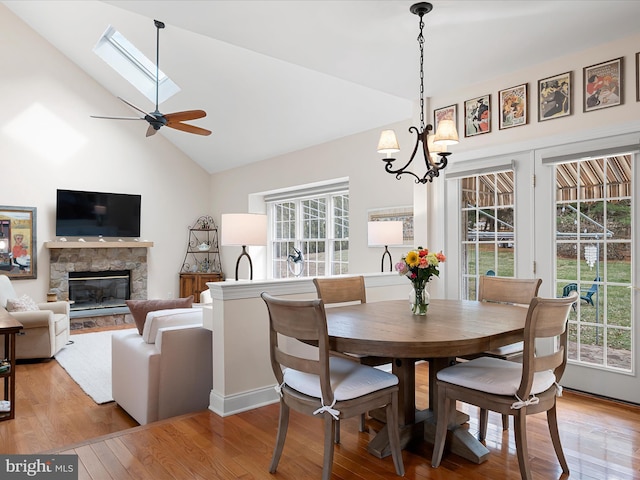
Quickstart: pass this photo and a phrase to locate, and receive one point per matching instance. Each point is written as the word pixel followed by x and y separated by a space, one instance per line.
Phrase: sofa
pixel 166 371
pixel 46 325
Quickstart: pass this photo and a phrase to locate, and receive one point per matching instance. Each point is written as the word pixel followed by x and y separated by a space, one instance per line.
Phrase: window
pixel 316 225
pixel 487 220
pixel 138 70
pixel 594 245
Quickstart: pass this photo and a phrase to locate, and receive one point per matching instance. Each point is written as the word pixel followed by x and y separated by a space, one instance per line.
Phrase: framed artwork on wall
pixel 445 113
pixel 400 214
pixel 477 116
pixel 18 246
pixel 638 77
pixel 514 110
pixel 603 85
pixel 554 96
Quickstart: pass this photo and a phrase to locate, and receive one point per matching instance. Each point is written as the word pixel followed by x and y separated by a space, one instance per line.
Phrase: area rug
pixel 88 361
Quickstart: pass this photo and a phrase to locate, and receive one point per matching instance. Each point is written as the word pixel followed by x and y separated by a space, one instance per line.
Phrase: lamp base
pixel 385 254
pixel 244 254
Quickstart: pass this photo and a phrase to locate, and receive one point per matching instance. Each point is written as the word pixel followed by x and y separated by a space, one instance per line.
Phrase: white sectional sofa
pixel 166 371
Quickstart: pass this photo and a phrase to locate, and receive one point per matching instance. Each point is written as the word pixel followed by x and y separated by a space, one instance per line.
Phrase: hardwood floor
pixel 601 440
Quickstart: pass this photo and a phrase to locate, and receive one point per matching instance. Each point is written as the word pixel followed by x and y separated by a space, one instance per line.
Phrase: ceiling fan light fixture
pixel 156 119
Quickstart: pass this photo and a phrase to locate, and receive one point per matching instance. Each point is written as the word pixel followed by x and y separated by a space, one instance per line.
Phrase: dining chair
pixel 342 290
pixel 510 388
pixel 330 387
pixel 514 291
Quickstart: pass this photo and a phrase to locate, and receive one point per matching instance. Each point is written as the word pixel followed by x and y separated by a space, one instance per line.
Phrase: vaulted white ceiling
pixel 276 76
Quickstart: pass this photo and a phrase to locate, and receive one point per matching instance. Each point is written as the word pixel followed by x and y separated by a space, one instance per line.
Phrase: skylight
pixel 128 61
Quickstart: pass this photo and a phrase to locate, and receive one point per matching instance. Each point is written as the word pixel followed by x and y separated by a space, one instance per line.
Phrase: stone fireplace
pixel 92 261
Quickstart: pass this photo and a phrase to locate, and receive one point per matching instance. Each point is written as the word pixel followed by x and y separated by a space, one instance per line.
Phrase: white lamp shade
pixel 446 134
pixel 434 148
pixel 385 233
pixel 388 142
pixel 243 229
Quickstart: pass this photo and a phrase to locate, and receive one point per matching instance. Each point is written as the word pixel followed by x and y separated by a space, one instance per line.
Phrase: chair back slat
pixel 517 291
pixel 300 320
pixel 546 318
pixel 341 289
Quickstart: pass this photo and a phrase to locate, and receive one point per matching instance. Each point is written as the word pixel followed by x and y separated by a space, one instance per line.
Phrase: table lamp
pixel 243 229
pixel 385 233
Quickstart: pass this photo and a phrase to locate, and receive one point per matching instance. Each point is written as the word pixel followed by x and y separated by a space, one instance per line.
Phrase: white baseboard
pixel 232 404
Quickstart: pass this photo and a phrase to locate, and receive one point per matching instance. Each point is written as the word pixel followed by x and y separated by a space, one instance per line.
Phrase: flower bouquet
pixel 419 266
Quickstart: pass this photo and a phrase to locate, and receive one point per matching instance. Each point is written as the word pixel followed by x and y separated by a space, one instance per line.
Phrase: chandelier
pixel 433 145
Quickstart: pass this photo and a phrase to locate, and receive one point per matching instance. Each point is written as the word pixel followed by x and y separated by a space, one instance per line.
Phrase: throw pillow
pixel 140 308
pixel 23 304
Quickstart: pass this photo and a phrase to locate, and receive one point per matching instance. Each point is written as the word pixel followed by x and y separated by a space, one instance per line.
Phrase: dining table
pixel 451 328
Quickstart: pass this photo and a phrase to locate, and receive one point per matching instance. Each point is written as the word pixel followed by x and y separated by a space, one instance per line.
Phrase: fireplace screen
pixel 92 290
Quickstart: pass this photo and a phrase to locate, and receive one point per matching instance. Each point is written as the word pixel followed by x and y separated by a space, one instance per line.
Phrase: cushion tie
pixel 329 409
pixel 278 388
pixel 558 389
pixel 524 403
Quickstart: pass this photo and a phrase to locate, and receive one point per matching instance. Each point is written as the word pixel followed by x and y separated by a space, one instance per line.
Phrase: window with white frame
pixel 313 228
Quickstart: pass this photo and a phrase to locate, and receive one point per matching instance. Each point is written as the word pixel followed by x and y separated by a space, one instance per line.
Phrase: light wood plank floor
pixel 601 440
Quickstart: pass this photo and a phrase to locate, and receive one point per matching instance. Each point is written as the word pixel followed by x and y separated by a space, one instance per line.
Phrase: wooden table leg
pixel 421 424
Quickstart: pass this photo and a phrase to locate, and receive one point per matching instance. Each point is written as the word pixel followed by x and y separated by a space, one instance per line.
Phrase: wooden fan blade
pixel 133 106
pixel 185 127
pixel 117 118
pixel 186 115
pixel 150 131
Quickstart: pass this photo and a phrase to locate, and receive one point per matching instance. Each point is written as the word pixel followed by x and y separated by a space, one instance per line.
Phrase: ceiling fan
pixel 157 119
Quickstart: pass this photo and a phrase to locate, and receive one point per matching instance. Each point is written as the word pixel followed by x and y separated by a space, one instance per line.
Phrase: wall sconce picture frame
pixel 603 85
pixel 554 96
pixel 514 106
pixel 477 116
pixel 445 113
pixel 18 245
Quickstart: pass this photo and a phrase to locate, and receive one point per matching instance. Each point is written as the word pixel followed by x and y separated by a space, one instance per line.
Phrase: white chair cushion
pixel 494 375
pixel 348 380
pixel 174 317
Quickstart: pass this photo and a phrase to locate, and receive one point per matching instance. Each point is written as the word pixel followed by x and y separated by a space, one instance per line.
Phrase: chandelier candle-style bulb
pixel 430 145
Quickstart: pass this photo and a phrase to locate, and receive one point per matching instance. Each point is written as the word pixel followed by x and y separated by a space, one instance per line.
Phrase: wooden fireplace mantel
pixel 105 244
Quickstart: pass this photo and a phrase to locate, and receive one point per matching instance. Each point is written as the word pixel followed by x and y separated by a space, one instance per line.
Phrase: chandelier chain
pixel 421 44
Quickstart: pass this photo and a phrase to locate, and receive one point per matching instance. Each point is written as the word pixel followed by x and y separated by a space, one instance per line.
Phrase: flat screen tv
pixel 93 214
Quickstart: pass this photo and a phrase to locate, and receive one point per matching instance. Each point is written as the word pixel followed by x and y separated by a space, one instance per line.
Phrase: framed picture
pixel 477 116
pixel 603 85
pixel 445 113
pixel 554 97
pixel 399 214
pixel 514 103
pixel 638 77
pixel 18 244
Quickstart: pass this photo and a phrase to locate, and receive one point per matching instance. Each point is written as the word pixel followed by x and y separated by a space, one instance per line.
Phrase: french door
pixel 586 233
pixel 569 216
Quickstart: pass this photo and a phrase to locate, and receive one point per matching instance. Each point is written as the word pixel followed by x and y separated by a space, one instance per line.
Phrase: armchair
pixel 166 371
pixel 46 326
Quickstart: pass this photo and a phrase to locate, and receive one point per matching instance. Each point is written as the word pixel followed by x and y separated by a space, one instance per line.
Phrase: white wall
pixel 107 155
pixel 355 157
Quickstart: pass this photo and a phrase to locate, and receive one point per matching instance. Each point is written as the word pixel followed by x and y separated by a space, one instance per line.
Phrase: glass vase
pixel 419 300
